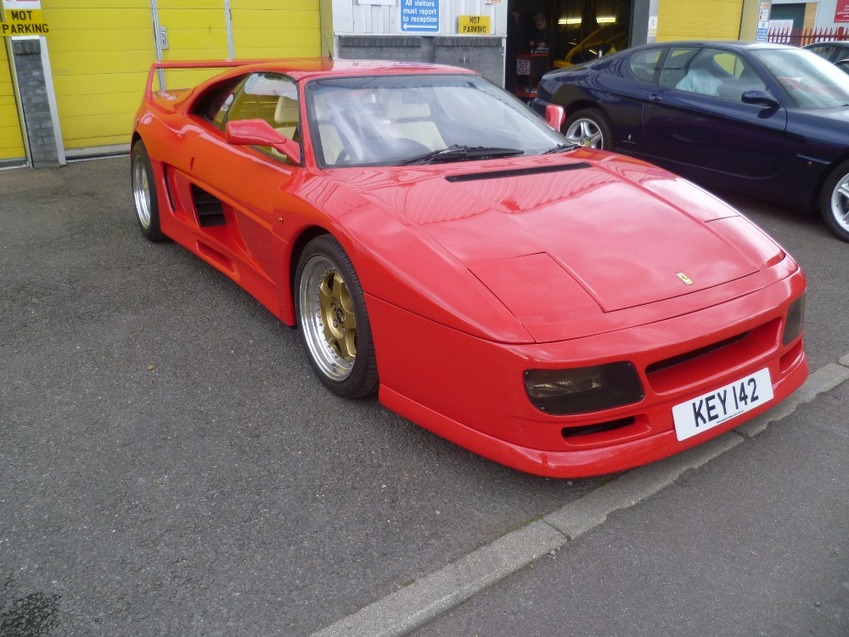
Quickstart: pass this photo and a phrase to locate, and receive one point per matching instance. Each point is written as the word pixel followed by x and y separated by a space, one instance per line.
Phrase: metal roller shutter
pixel 282 28
pixel 100 51
pixel 11 138
pixel 703 20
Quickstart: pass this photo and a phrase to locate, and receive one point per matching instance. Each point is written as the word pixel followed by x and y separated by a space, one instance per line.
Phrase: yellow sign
pixel 473 24
pixel 23 22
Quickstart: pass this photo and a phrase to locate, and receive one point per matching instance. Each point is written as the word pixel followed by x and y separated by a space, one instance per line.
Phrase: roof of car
pixel 840 43
pixel 300 68
pixel 724 43
pixel 323 66
pixel 296 68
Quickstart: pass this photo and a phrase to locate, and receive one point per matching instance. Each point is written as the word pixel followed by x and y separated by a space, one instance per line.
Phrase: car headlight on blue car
pixel 583 389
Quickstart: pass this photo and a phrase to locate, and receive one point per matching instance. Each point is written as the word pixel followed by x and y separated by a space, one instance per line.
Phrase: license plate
pixel 714 408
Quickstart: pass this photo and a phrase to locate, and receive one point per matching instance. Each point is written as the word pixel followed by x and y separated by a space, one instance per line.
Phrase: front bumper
pixel 470 391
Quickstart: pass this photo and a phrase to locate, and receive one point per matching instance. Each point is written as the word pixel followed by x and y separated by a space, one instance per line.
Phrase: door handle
pixel 655 97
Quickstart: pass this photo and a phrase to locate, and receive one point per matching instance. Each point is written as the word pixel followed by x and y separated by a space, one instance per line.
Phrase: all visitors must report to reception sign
pixel 420 16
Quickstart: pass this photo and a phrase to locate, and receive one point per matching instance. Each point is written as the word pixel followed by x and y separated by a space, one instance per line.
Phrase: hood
pixel 830 125
pixel 564 238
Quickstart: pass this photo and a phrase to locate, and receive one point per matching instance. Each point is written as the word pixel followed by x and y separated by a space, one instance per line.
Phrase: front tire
pixel 333 321
pixel 589 128
pixel 834 201
pixel 144 193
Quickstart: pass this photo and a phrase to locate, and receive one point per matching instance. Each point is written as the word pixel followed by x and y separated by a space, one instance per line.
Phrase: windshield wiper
pixel 457 152
pixel 560 148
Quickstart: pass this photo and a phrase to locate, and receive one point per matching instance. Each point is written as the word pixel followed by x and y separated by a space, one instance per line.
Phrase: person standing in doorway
pixel 543 38
pixel 517 39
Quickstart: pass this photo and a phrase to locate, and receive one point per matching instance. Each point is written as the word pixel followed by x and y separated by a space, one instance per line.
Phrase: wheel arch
pixel 306 234
pixel 574 98
pixel 401 266
pixel 583 103
pixel 814 203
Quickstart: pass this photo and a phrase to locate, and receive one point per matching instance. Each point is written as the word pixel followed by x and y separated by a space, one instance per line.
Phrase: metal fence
pixel 802 37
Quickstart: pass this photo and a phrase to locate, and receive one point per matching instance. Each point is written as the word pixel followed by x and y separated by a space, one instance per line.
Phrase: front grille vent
pixel 602 427
pixel 516 172
pixel 688 356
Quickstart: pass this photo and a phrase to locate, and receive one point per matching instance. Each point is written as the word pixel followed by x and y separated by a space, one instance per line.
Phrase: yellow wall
pixel 196 29
pixel 703 20
pixel 276 28
pixel 810 15
pixel 100 52
pixel 11 139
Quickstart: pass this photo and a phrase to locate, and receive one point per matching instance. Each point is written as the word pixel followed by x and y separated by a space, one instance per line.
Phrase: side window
pixel 265 96
pixel 220 117
pixel 720 74
pixel 827 51
pixel 675 66
pixel 741 77
pixel 644 64
pixel 214 104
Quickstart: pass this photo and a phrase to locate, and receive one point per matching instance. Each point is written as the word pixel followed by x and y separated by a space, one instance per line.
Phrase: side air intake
pixel 208 207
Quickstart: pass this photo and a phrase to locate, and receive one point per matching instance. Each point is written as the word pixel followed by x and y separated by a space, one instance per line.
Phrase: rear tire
pixel 144 193
pixel 834 201
pixel 589 128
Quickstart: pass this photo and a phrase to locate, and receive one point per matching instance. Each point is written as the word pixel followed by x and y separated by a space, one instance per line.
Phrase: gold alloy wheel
pixel 337 310
pixel 328 318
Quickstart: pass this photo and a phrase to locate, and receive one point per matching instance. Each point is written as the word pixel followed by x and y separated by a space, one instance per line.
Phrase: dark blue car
pixel 767 120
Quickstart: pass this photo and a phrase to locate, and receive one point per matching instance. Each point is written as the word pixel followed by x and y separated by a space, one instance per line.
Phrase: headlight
pixel 574 391
pixel 795 318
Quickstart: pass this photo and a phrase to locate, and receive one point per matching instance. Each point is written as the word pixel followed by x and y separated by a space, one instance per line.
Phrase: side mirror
pixel 760 98
pixel 555 115
pixel 258 132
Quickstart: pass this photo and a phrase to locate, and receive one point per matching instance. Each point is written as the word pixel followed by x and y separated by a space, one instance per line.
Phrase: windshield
pixel 394 120
pixel 809 80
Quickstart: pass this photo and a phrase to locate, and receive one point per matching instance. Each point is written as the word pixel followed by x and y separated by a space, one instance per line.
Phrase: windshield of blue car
pixel 809 80
pixel 406 119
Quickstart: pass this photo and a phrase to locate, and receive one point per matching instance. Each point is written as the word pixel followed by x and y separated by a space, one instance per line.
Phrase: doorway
pixel 584 29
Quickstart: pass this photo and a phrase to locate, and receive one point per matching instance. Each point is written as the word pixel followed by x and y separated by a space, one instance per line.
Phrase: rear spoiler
pixel 191 64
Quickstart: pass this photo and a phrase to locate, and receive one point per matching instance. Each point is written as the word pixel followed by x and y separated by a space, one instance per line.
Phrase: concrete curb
pixel 427 598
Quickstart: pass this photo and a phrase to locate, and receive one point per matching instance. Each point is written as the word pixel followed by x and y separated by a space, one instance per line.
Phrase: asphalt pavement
pixel 170 466
pixel 750 543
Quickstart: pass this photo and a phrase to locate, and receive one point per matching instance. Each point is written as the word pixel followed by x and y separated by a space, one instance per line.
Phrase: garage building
pixel 72 91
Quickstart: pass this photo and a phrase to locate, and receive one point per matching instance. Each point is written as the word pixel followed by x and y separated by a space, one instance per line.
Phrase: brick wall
pixel 35 103
pixel 482 54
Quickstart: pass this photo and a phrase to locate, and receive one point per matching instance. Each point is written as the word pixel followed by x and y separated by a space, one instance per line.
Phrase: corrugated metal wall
pixel 100 52
pixel 703 20
pixel 281 28
pixel 352 18
pixel 11 139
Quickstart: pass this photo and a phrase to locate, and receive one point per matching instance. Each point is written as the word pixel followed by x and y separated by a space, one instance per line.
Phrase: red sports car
pixel 561 310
